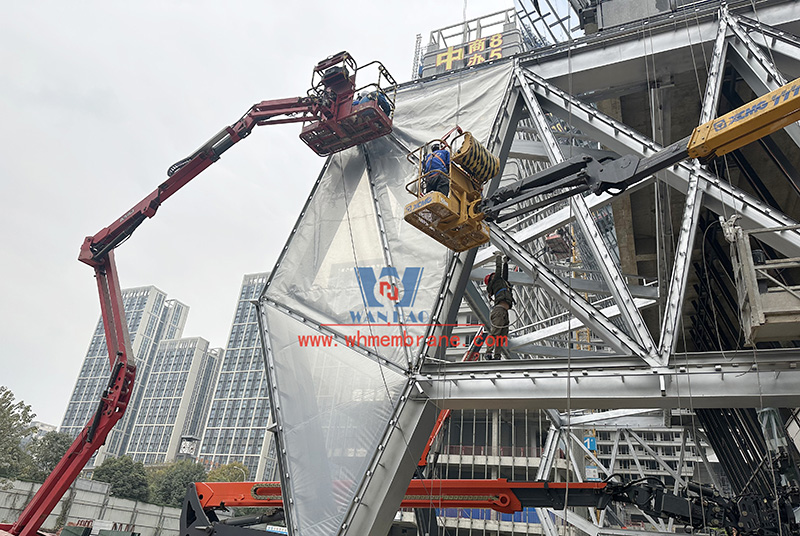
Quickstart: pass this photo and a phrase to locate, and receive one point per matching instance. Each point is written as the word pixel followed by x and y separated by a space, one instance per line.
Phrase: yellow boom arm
pixel 754 120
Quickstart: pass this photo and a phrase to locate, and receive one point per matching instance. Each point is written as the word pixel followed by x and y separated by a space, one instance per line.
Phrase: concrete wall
pixel 87 499
pixel 616 12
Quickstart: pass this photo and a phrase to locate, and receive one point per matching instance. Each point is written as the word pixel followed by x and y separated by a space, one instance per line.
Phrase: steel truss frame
pixel 708 380
pixel 641 371
pixel 561 383
pixel 700 188
pixel 639 451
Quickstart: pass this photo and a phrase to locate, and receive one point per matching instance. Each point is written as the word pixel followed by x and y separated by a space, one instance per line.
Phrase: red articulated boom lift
pixel 697 506
pixel 332 122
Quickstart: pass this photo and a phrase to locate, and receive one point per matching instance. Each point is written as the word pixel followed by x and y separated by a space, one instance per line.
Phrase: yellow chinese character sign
pixel 449 57
pixel 479 45
pixel 495 44
pixel 475 60
pixel 473 54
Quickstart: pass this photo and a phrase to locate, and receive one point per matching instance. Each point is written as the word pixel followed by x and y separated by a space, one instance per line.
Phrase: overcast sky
pixel 98 98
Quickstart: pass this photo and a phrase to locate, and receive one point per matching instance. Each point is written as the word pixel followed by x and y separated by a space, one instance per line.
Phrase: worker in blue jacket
pixel 437 163
pixel 499 291
pixel 383 102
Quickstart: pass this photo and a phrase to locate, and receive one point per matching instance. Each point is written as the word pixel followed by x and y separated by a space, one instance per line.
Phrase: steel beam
pixel 715 70
pixel 386 481
pixel 679 469
pixel 612 464
pixel 670 325
pixel 586 312
pixel 546 225
pixel 551 351
pixel 654 522
pixel 756 69
pixel 701 380
pixel 589 453
pixel 610 271
pixel 718 196
pixel 535 150
pixel 630 390
pixel 520 343
pixel 664 465
pixel 780 43
pixel 739 360
pixel 674 304
pixel 543 473
pixel 581 285
pixel 696 437
pixel 476 302
pixel 604 418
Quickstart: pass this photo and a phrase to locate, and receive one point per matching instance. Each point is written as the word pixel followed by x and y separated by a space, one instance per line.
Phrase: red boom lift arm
pixel 698 506
pixel 471 354
pixel 333 123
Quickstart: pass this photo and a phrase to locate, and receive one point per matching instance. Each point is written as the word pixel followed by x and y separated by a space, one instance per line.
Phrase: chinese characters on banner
pixel 475 52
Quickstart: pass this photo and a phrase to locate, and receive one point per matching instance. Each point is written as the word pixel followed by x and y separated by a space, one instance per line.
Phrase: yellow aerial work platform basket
pixel 453 220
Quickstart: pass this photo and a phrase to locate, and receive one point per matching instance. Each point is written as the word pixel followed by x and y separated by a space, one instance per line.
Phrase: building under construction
pixel 635 164
pixel 653 326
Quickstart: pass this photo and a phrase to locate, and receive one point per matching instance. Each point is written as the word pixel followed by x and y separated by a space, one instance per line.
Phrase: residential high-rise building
pixel 151 319
pixel 236 429
pixel 175 399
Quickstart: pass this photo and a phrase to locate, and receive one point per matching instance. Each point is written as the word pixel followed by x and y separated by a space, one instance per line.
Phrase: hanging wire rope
pixel 766 43
pixel 755 347
pixel 660 136
pixel 568 413
pixel 369 324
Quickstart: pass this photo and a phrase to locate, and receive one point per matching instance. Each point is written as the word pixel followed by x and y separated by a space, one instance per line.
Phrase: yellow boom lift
pixel 454 220
pixel 458 220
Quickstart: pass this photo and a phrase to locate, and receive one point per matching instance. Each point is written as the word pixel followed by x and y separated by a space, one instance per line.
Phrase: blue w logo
pixel 386 285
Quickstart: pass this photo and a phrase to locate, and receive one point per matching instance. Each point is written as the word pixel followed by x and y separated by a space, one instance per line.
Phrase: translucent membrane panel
pixel 409 249
pixel 334 407
pixel 374 282
pixel 471 99
pixel 318 276
pixel 335 271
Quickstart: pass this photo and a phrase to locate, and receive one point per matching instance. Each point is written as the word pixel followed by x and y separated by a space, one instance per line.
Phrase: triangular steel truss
pixel 626 365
